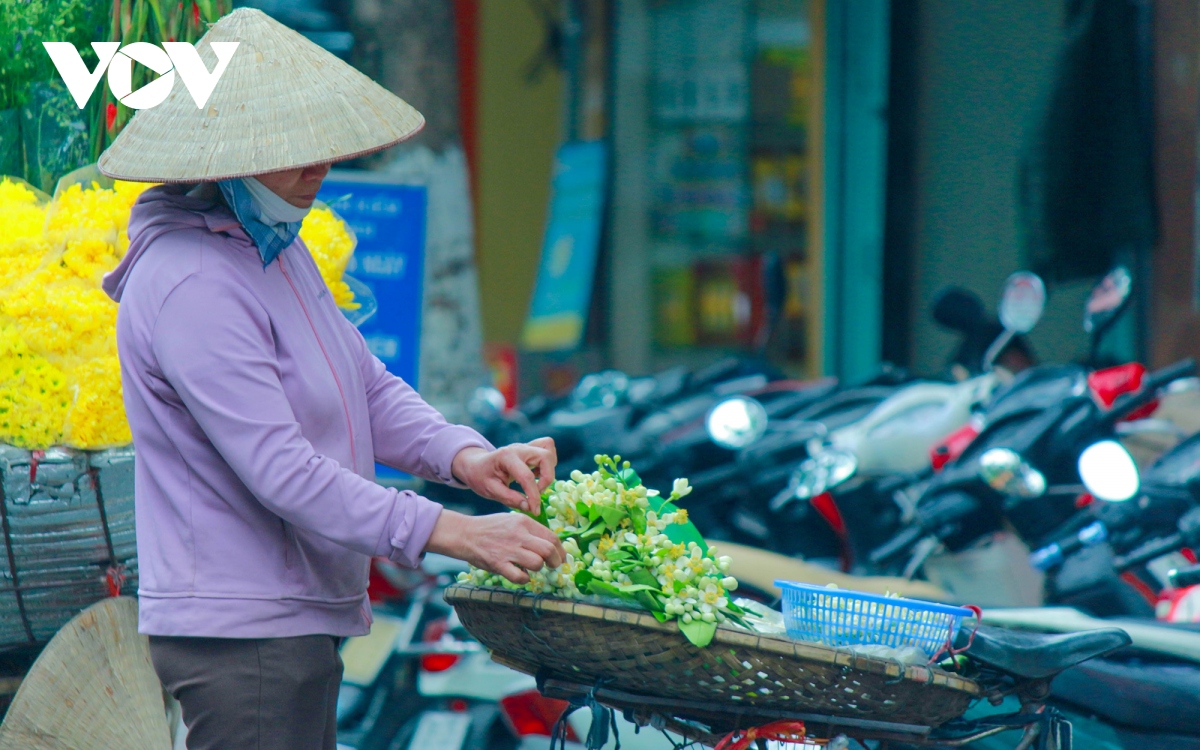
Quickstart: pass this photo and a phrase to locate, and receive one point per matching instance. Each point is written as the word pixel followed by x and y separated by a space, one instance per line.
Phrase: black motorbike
pixel 1107 561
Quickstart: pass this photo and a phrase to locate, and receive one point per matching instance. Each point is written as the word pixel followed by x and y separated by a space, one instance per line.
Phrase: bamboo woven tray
pixel 633 652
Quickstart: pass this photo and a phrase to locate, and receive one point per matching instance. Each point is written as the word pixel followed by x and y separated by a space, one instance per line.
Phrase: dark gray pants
pixel 253 694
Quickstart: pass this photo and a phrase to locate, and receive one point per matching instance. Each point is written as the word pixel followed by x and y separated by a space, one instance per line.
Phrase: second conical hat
pixel 92 688
pixel 282 102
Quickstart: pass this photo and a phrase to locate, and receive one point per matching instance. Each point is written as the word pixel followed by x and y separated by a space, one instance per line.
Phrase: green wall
pixel 518 130
pixel 983 68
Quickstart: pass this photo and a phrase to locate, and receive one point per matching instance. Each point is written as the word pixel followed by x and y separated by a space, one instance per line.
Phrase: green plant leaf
pixel 604 588
pixel 584 510
pixel 661 616
pixel 612 517
pixel 594 532
pixel 644 577
pixel 699 632
pixel 629 478
pixel 583 578
pixel 637 517
pixel 633 588
pixel 738 619
pixel 680 533
pixel 735 609
pixel 649 600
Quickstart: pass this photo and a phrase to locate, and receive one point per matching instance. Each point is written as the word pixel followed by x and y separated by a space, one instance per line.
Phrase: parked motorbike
pixel 1021 470
pixel 1129 699
pixel 857 447
pixel 1116 556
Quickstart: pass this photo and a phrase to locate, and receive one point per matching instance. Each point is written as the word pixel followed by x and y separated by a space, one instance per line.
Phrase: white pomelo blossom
pixel 618 545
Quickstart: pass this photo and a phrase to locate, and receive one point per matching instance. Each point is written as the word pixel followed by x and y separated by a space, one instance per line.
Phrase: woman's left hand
pixel 489 473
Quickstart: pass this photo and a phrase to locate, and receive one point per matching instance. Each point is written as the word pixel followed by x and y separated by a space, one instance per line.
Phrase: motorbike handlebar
pixel 1130 402
pixel 1148 551
pixel 1185 577
pixel 939 515
pixel 1180 369
pixel 897 545
pixel 1053 554
pixel 1188 535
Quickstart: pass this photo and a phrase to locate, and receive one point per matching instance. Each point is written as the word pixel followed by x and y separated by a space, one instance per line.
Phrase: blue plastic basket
pixel 837 617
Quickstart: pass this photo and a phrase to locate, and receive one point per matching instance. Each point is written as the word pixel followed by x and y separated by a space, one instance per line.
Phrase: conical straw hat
pixel 93 688
pixel 283 102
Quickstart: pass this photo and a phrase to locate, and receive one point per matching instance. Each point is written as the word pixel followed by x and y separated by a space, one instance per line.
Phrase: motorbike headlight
pixel 1109 472
pixel 824 471
pixel 1005 471
pixel 736 422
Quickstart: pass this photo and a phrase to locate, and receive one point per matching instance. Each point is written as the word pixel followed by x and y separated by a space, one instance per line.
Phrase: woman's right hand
pixel 507 544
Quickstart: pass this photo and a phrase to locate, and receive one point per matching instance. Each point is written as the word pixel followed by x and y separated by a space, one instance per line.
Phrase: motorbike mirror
pixel 959 310
pixel 1109 472
pixel 1023 302
pixel 1107 300
pixel 1005 471
pixel 736 422
pixel 823 471
pixel 606 388
pixel 486 405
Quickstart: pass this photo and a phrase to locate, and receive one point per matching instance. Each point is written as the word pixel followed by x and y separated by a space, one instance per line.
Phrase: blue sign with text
pixel 389 223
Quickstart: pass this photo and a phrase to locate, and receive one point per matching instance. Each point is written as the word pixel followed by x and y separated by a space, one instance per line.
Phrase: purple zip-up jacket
pixel 257 415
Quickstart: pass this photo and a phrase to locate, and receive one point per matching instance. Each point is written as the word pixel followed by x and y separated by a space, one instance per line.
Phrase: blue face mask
pixel 271 222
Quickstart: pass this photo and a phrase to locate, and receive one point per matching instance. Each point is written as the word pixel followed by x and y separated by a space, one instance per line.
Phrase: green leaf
pixel 699 632
pixel 612 517
pixel 584 510
pixel 645 578
pixel 649 600
pixel 679 586
pixel 637 517
pixel 633 588
pixel 541 517
pixel 735 609
pixel 629 478
pixel 661 616
pixel 583 578
pixel 684 533
pixel 604 588
pixel 738 619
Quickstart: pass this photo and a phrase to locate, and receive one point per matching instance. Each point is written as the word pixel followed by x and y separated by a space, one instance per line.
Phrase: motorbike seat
pixel 1037 655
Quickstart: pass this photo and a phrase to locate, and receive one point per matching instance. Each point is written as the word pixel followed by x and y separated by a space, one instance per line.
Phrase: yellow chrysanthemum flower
pixel 33 395
pixel 331 245
pixel 95 213
pixel 97 415
pixel 60 380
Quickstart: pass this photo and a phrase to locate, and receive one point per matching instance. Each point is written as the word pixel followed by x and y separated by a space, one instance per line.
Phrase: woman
pixel 257 411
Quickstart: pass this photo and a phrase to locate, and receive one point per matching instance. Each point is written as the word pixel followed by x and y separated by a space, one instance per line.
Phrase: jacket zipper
pixel 328 361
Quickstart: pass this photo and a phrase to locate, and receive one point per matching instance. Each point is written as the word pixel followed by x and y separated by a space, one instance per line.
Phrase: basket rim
pixel 725 635
pixel 919 604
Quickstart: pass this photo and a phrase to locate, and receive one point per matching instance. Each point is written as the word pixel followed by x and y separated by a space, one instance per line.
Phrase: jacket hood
pixel 162 209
